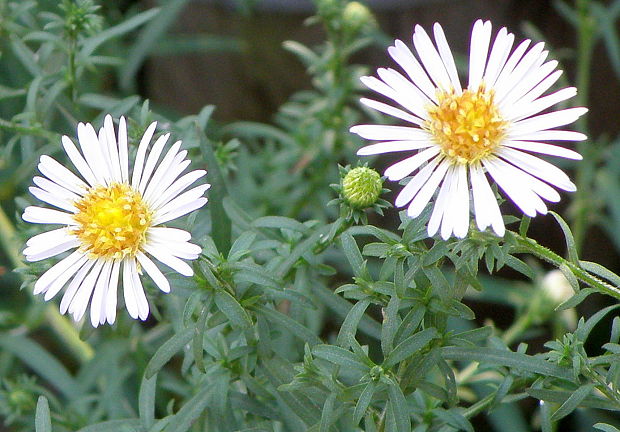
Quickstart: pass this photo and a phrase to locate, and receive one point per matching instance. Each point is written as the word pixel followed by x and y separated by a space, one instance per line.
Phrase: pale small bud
pixel 556 287
pixel 356 15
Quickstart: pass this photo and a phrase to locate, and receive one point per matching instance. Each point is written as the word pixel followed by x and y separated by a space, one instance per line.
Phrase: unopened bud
pixel 556 287
pixel 361 187
pixel 356 15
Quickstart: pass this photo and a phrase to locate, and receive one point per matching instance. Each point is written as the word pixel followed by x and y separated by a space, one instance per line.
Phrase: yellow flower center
pixel 112 221
pixel 467 126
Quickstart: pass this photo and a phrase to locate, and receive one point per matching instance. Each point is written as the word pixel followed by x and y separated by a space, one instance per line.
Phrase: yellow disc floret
pixel 112 221
pixel 467 126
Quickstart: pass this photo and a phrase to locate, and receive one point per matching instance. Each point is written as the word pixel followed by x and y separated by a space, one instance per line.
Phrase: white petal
pixel 521 92
pixel 99 294
pixel 499 54
pixel 460 218
pixel 402 169
pixel 129 293
pixel 180 211
pixel 541 104
pixel 182 200
pixel 390 110
pixel 177 187
pixel 405 58
pixel 414 185
pixel 44 251
pixel 162 169
pixel 80 301
pixel 54 188
pixel 512 61
pixel 45 238
pixel 540 88
pixel 430 58
pixel 178 166
pixel 143 304
pixel 547 121
pixel 56 270
pixel 89 142
pixel 549 135
pixel 522 196
pixel 183 250
pixel 123 153
pixel 486 207
pixel 383 132
pixel 393 146
pixel 55 287
pixel 440 204
pixel 43 215
pixel 479 48
pixel 155 274
pixel 75 285
pixel 538 168
pixel 165 234
pixel 549 149
pixel 426 192
pixel 406 93
pixel 151 161
pixel 446 56
pixel 171 261
pixel 111 299
pixel 55 200
pixel 112 148
pixel 78 161
pixel 60 175
pixel 523 73
pixel 139 161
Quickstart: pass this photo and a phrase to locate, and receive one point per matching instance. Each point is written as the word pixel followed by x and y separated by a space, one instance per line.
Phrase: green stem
pixel 528 245
pixel 25 130
pixel 517 328
pixel 586 167
pixel 63 327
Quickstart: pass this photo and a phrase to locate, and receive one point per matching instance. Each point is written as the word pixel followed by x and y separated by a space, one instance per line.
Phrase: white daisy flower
pixel 460 135
pixel 112 218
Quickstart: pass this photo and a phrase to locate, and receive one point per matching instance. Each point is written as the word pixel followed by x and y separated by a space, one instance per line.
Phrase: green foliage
pixel 300 316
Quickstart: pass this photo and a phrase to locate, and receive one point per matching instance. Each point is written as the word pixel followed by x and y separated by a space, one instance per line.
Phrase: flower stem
pixel 586 28
pixel 63 327
pixel 528 245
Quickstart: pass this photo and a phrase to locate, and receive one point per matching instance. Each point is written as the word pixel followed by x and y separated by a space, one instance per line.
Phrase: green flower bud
pixel 361 187
pixel 356 15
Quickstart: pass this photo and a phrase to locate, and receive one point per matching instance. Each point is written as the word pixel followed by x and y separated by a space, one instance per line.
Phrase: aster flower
pixel 112 219
pixel 463 135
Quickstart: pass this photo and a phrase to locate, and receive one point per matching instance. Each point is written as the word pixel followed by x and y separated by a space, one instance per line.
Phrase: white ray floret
pixel 109 214
pixel 461 138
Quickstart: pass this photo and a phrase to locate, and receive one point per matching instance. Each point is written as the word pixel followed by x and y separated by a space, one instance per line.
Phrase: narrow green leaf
pixel 191 410
pixel 167 351
pixel 121 425
pixel 410 346
pixel 232 309
pixel 43 420
pixel 92 43
pixel 601 271
pixel 279 222
pixel 348 329
pixel 44 364
pixel 575 300
pixel 400 408
pixel 568 235
pixel 391 323
pixel 455 419
pixel 364 402
pixel 339 356
pixel 524 225
pixel 606 427
pixel 572 402
pixel 150 34
pixel 241 246
pixel 583 332
pixel 146 401
pixel 352 252
pixel 506 358
pixel 327 414
pixel 220 222
pixel 561 396
pixel 290 324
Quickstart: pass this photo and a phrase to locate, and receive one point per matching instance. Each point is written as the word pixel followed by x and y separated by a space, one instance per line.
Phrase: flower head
pixel 463 135
pixel 361 187
pixel 112 219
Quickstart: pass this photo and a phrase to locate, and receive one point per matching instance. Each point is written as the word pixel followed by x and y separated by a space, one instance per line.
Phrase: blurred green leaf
pixel 43 421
